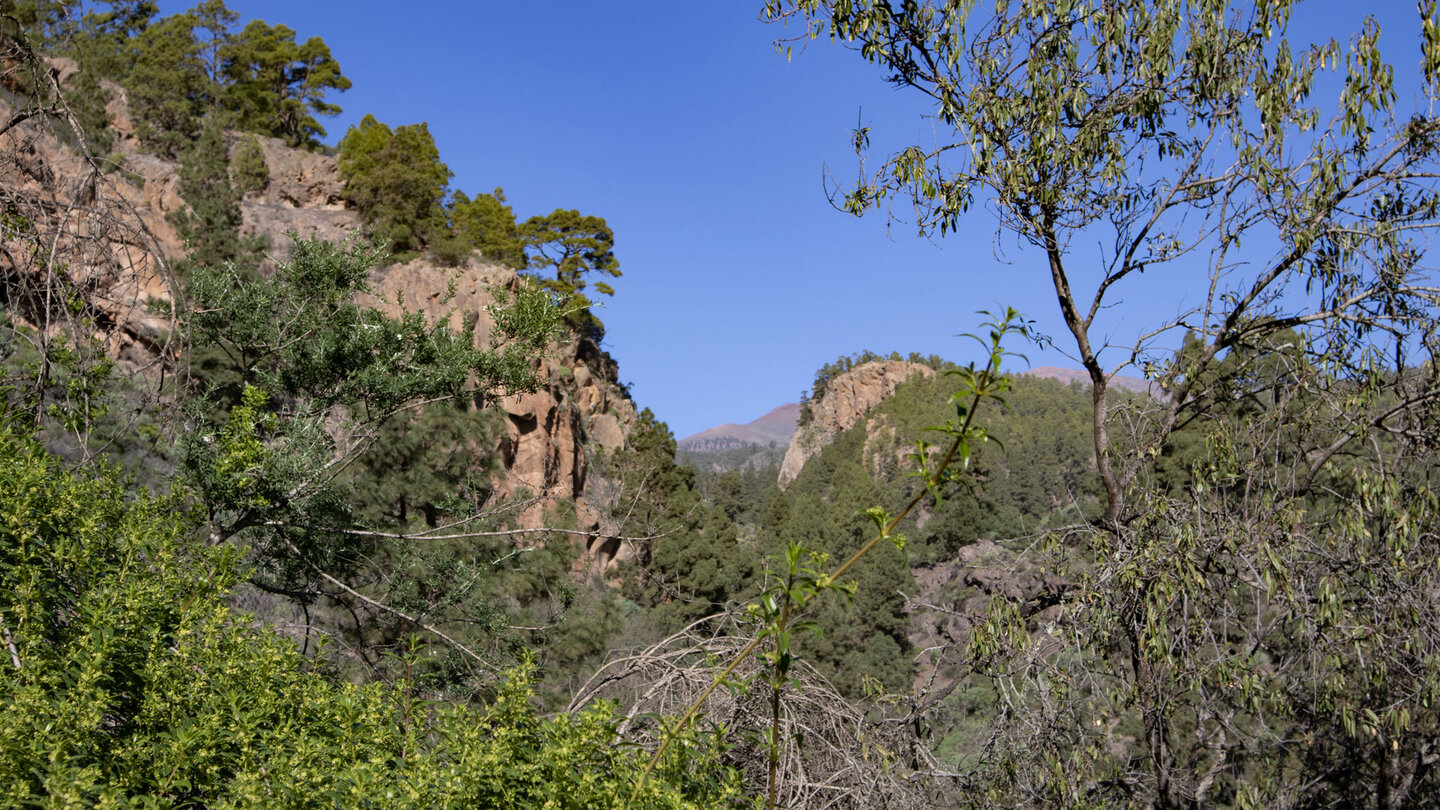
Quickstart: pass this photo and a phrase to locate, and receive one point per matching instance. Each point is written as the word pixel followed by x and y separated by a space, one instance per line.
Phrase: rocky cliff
pixel 74 233
pixel 552 433
pixel 116 238
pixel 845 401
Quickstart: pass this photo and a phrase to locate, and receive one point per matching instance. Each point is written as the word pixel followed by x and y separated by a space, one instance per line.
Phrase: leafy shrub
pixel 125 681
pixel 450 251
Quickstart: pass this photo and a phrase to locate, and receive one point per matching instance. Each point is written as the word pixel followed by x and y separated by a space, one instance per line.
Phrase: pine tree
pixel 487 224
pixel 249 171
pixel 277 87
pixel 572 246
pixel 210 221
pixel 396 180
pixel 169 92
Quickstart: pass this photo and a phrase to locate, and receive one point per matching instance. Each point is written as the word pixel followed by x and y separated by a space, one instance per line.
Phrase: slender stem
pixel 690 713
pixel 776 685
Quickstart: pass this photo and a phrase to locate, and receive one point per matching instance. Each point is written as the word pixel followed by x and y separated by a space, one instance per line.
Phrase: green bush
pixel 450 251
pixel 126 682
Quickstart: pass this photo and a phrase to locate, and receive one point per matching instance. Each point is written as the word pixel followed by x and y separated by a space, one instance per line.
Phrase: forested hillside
pixel 319 489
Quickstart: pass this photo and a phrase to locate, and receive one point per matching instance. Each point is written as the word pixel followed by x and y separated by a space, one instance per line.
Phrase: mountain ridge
pixel 779 424
pixel 776 426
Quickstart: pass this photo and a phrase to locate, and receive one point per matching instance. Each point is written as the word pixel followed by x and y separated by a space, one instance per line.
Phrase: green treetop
pixel 169 93
pixel 213 23
pixel 572 246
pixel 210 221
pixel 396 179
pixel 277 86
pixel 487 224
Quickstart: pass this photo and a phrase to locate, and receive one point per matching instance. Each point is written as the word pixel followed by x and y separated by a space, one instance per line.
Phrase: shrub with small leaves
pixel 126 682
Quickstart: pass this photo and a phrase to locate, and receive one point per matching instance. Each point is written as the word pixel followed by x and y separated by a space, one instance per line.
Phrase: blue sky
pixel 704 149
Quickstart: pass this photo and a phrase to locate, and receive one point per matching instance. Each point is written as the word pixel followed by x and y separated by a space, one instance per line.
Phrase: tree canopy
pixel 571 246
pixel 487 224
pixel 1277 185
pixel 276 86
pixel 184 67
pixel 397 181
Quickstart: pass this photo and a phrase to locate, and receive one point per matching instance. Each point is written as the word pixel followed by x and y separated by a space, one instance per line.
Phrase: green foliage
pixel 212 24
pixel 740 493
pixel 696 565
pixel 799 578
pixel 1204 145
pixel 102 45
pixel 125 682
pixel 324 352
pixel 124 20
pixel 1042 476
pixel 185 67
pixel 168 91
pixel 106 43
pixel 87 99
pixel 572 246
pixel 276 86
pixel 487 224
pixel 248 170
pixel 210 222
pixel 396 180
pixel 448 250
pixel 44 23
pixel 430 464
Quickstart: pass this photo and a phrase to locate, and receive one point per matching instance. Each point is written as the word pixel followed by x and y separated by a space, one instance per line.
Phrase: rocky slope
pixel 552 433
pixel 847 398
pixel 97 237
pixel 117 240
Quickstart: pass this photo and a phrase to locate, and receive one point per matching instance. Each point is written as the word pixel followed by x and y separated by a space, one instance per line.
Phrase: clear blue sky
pixel 704 149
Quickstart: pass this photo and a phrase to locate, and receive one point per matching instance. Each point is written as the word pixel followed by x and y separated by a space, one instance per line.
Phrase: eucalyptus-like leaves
pixel 1186 137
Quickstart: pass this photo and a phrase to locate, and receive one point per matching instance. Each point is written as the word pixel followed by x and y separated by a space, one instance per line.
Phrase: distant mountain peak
pixel 776 426
pixel 1071 375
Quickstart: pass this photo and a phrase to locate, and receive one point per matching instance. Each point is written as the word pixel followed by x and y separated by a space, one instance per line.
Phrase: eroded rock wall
pixel 847 399
pixel 552 434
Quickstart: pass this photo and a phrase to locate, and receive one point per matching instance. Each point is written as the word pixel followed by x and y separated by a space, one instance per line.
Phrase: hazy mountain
pixel 1071 375
pixel 776 426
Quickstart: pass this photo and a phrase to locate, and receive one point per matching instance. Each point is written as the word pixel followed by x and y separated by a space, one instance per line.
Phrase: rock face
pixel 953 596
pixel 103 236
pixel 846 400
pixel 551 435
pixel 304 195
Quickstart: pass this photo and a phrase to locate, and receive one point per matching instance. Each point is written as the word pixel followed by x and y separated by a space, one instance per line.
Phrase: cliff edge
pixel 845 401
